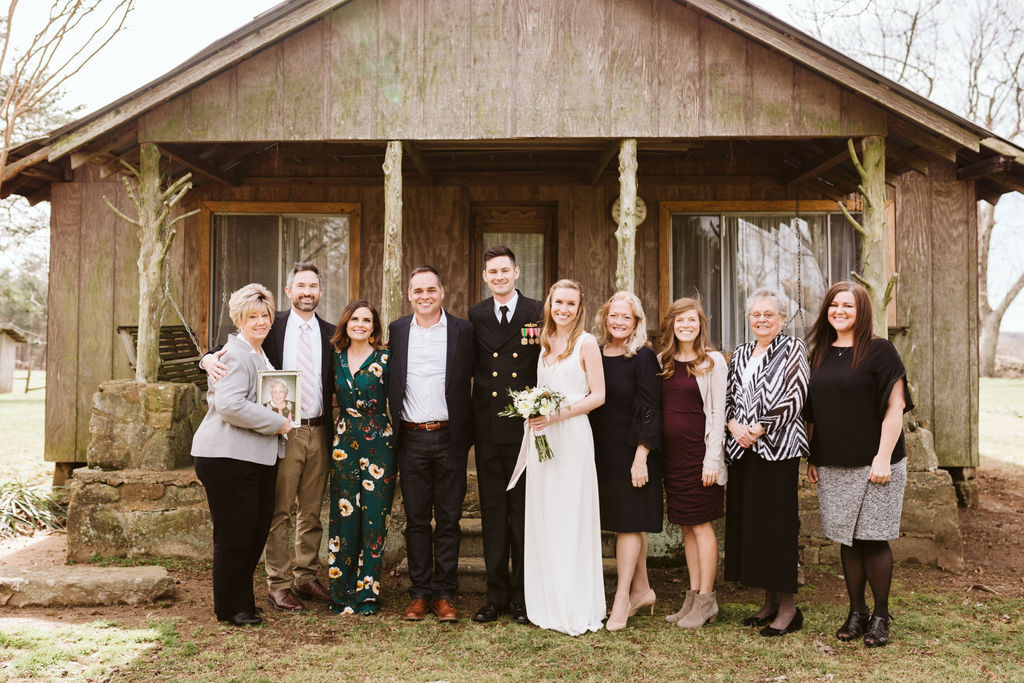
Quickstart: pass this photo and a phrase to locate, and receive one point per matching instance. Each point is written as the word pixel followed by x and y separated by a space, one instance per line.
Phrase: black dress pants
pixel 241 499
pixel 504 516
pixel 432 474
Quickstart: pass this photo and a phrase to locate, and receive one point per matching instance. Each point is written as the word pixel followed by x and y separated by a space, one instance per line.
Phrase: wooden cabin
pixel 9 340
pixel 510 114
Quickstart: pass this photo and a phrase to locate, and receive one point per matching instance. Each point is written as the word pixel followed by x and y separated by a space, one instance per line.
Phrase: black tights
pixel 868 562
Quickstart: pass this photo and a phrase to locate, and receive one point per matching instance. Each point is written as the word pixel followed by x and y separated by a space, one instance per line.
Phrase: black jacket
pixel 457 378
pixel 502 362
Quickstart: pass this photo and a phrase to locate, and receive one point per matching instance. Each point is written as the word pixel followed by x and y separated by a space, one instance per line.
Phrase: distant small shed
pixel 9 340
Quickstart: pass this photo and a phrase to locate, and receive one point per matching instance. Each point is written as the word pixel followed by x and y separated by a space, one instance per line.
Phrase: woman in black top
pixel 856 399
pixel 627 433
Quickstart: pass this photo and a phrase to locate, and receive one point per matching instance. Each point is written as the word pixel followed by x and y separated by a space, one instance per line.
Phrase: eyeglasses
pixel 768 316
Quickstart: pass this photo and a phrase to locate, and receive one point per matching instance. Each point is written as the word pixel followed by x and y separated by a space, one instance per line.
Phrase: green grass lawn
pixel 931 642
pixel 1001 420
pixel 22 420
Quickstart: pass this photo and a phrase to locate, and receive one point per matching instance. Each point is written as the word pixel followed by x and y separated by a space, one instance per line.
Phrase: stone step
pixel 79 585
pixel 473 574
pixel 473 543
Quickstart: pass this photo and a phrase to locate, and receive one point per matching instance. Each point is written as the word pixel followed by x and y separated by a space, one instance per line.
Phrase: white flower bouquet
pixel 535 402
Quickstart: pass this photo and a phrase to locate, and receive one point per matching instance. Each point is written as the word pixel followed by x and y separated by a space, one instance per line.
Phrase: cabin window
pixel 262 247
pixel 726 256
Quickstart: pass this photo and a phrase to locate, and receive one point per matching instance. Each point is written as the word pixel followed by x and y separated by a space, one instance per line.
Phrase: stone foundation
pixel 143 426
pixel 138 513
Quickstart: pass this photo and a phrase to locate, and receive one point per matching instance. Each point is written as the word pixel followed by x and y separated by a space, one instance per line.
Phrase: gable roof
pixel 919 121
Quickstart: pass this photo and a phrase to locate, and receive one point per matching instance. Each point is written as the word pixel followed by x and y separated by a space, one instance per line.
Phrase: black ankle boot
pixel 878 634
pixel 855 624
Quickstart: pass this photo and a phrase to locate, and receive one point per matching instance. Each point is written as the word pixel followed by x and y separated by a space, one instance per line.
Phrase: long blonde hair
pixel 668 345
pixel 549 322
pixel 638 339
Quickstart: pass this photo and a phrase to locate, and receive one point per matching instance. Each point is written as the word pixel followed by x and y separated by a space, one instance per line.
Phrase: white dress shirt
pixel 290 353
pixel 425 377
pixel 511 306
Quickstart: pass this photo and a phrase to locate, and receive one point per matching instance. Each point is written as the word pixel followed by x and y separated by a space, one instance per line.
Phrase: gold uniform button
pixel 495 354
pixel 515 355
pixel 514 375
pixel 494 374
pixel 494 394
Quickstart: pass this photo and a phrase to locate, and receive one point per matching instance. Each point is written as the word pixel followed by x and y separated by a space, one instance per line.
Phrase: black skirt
pixel 762 523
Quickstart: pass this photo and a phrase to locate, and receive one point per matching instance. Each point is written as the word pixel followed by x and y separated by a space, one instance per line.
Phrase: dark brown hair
pixel 496 251
pixel 822 335
pixel 668 345
pixel 425 269
pixel 302 267
pixel 340 341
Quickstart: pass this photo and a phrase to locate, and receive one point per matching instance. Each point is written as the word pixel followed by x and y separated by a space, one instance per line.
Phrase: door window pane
pixel 263 248
pixel 529 250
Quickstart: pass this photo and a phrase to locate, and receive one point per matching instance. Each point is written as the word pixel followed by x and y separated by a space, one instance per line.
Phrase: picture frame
pixel 287 381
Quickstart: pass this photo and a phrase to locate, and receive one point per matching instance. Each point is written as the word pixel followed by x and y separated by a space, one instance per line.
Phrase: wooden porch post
pixel 391 287
pixel 625 235
pixel 872 228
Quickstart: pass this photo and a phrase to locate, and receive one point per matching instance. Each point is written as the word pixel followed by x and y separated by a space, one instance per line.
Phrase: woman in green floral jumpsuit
pixel 362 462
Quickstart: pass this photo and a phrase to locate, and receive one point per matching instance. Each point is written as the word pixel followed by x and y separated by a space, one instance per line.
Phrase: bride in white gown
pixel 563 579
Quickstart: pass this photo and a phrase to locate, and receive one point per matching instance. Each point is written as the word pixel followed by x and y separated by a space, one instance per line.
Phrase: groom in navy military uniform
pixel 507 327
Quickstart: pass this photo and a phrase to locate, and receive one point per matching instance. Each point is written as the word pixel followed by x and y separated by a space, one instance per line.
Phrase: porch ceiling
pixel 818 167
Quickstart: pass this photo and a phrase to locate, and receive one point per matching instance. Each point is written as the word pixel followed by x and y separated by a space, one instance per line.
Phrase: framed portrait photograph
pixel 280 390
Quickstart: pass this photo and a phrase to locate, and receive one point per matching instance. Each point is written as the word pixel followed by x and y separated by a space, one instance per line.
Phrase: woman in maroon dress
pixel 693 465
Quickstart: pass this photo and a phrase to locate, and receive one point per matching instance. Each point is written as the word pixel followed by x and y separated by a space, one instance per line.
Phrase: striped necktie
pixel 305 363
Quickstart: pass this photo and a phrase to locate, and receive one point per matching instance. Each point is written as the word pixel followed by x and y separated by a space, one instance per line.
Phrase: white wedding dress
pixel 563 579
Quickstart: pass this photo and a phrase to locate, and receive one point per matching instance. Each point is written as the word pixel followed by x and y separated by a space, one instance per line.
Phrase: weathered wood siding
pixel 480 69
pixel 936 254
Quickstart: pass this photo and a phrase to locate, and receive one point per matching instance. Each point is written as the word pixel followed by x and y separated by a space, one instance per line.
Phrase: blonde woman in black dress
pixel 627 433
pixel 855 404
pixel 693 409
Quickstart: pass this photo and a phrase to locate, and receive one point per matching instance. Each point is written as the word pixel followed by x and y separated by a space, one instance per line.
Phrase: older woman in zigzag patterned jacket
pixel 767 386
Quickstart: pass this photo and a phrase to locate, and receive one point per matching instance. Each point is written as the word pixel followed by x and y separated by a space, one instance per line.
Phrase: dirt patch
pixel 993 552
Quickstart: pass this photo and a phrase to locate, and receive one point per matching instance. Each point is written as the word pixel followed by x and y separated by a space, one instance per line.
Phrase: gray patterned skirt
pixel 852 507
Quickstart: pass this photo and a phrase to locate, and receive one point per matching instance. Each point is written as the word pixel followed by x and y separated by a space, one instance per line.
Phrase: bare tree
pixel 35 69
pixel 968 56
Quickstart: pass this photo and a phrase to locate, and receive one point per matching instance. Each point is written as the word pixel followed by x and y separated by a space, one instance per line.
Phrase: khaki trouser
pixel 301 480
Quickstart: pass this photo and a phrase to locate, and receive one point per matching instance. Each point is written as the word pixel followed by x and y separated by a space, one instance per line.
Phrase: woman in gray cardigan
pixel 236 450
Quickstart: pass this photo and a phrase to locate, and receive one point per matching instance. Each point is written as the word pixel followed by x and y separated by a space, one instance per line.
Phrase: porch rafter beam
pixel 926 142
pixel 198 164
pixel 817 167
pixel 417 160
pixel 908 158
pixel 986 167
pixel 16 167
pixel 99 148
pixel 607 154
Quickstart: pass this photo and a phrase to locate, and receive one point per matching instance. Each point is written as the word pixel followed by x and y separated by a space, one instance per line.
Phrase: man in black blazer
pixel 507 328
pixel 429 397
pixel 299 340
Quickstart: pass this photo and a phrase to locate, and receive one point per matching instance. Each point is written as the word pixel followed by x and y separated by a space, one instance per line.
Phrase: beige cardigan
pixel 713 388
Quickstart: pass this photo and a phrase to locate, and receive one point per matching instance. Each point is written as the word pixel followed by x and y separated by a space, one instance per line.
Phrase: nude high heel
pixel 647 600
pixel 705 609
pixel 684 610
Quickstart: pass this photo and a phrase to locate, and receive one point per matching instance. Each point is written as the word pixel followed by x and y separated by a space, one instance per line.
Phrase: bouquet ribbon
pixel 524 455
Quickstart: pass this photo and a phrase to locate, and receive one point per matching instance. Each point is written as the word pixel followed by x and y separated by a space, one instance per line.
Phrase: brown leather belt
pixel 312 421
pixel 426 426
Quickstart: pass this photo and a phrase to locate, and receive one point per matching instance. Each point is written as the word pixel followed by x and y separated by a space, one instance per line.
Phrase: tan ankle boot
pixel 684 610
pixel 705 609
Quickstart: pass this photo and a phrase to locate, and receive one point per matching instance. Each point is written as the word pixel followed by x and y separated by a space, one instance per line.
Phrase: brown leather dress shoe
pixel 445 610
pixel 285 600
pixel 314 590
pixel 417 610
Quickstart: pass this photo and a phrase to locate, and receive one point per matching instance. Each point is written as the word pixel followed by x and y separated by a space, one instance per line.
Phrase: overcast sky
pixel 161 34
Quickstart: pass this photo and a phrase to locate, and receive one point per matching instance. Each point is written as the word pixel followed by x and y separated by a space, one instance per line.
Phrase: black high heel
pixel 795 624
pixel 878 634
pixel 754 620
pixel 855 624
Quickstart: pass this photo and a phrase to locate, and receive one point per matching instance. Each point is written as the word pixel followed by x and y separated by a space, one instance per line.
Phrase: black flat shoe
pixel 244 619
pixel 754 620
pixel 855 624
pixel 487 613
pixel 519 615
pixel 795 624
pixel 878 634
